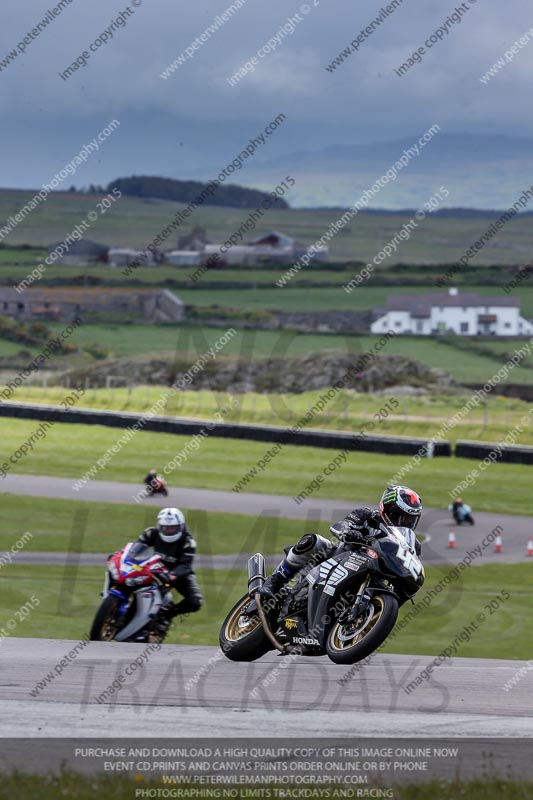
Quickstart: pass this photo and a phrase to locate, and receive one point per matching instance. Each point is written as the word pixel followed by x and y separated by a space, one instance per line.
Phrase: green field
pixel 71 450
pixel 469 361
pixel 69 599
pixel 349 411
pixel 295 299
pixel 69 526
pixel 135 222
pixel 159 275
pixel 74 786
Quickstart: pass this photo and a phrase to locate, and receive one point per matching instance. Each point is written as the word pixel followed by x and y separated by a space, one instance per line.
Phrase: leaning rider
pixel 175 545
pixel 399 506
pixel 151 479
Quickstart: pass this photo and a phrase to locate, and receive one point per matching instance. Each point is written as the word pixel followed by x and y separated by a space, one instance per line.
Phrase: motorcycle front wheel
pixel 347 644
pixel 242 637
pixel 105 626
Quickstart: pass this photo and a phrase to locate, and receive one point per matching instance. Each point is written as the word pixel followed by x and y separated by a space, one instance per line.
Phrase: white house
pixel 463 313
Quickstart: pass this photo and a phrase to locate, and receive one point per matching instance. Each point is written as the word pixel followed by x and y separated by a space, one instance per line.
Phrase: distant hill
pixel 479 172
pixel 227 195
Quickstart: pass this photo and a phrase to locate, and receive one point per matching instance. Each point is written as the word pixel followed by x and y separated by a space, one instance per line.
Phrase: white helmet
pixel 171 524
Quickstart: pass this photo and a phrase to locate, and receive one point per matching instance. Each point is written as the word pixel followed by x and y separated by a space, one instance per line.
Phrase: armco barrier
pixel 392 445
pixel 508 454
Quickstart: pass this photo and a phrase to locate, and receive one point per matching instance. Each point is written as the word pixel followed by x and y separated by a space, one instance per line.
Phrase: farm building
pixel 124 256
pixel 463 313
pixel 195 240
pixel 278 247
pixel 183 258
pixel 65 304
pixel 79 253
pixel 274 247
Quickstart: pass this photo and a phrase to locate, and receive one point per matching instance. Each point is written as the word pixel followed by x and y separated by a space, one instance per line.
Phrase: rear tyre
pixel 347 644
pixel 106 626
pixel 242 637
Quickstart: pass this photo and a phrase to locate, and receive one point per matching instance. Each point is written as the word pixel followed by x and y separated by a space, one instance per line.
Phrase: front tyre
pixel 349 643
pixel 106 626
pixel 242 637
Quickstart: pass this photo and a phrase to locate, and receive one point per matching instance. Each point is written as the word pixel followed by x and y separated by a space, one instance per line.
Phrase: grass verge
pixel 73 786
pixel 69 599
pixel 66 525
pixel 71 450
pixel 349 411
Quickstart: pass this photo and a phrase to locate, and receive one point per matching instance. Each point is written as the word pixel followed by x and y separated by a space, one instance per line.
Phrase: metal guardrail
pixel 393 445
pixel 507 454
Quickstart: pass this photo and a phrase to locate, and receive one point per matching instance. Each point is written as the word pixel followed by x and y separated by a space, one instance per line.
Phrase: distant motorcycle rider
pixel 461 512
pixel 399 506
pixel 175 544
pixel 151 477
pixel 154 483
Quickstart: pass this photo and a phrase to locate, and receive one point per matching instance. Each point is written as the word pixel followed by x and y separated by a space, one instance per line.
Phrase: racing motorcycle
pixel 136 597
pixel 344 607
pixel 157 486
pixel 463 514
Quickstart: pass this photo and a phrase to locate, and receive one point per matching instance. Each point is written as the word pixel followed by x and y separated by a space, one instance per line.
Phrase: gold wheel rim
pixel 340 646
pixel 109 629
pixel 233 631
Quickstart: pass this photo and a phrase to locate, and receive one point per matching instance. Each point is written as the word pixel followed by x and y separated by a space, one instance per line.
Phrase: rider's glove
pixel 359 524
pixel 352 534
pixel 363 518
pixel 166 577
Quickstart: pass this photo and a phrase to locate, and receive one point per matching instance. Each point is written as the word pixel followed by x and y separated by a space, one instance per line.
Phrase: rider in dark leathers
pixel 399 506
pixel 173 541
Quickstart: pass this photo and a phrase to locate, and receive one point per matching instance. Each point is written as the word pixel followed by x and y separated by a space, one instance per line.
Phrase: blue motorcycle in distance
pixel 462 513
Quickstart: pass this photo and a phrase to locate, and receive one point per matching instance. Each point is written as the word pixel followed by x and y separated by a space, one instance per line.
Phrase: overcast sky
pixel 196 119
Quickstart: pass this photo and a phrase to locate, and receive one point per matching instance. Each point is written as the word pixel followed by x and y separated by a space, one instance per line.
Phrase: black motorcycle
pixel 344 607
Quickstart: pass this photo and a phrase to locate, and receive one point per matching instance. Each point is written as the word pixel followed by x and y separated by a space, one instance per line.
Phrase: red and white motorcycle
pixel 136 598
pixel 157 486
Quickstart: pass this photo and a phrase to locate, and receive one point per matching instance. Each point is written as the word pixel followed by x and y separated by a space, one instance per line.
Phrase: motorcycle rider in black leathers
pixel 173 541
pixel 399 506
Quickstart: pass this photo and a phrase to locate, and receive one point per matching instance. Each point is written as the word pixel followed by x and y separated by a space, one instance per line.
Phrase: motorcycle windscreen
pixel 139 552
pixel 400 534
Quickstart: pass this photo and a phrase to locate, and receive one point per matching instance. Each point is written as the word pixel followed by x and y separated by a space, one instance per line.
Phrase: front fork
pixel 360 605
pixel 105 590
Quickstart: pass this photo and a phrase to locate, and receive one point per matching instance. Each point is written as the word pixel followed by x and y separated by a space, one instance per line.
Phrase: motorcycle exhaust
pixel 256 573
pixel 256 578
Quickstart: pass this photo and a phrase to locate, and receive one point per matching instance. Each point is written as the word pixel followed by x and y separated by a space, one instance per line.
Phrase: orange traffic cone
pixel 498 544
pixel 530 548
pixel 451 540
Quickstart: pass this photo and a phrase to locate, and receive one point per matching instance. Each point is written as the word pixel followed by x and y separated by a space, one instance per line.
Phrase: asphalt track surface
pixel 195 692
pixel 436 524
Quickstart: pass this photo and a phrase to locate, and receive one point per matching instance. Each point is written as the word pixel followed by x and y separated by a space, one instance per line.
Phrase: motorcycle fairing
pixel 147 605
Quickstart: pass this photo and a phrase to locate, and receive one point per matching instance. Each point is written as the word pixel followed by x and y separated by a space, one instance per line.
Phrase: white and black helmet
pixel 170 524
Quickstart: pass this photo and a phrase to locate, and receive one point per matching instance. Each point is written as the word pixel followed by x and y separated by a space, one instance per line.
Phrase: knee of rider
pixel 195 603
pixel 299 555
pixel 305 544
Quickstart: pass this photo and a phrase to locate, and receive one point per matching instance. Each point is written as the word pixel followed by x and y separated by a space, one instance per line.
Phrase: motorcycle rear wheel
pixel 370 631
pixel 105 626
pixel 242 638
